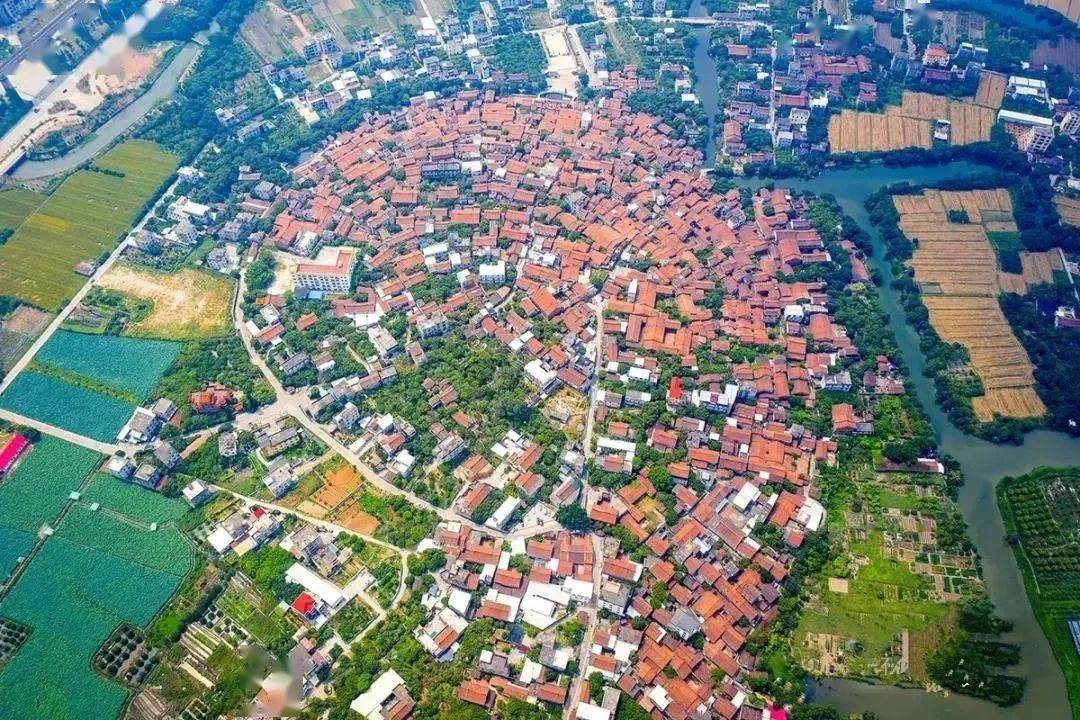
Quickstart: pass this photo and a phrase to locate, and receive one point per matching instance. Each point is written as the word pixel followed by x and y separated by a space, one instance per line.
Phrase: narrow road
pixel 292 404
pixel 67 435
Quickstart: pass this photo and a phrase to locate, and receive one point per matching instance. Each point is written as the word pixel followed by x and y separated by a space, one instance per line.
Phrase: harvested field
pixel 991 89
pixel 1039 267
pixel 1069 209
pixel 188 304
pixel 911 124
pixel 852 131
pixel 338 484
pixel 957 261
pixel 18 331
pixel 358 521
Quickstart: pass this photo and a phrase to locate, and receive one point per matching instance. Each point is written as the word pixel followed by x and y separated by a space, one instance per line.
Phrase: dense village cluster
pixel 582 243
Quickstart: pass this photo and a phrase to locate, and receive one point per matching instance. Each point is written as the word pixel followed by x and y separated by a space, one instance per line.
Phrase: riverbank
pixel 983 464
pixel 161 89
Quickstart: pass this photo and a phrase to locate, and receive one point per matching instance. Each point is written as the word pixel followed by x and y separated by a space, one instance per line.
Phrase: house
pixel 386 699
pixel 279 478
pixel 147 475
pixel 120 467
pixel 227 444
pixel 195 493
pixel 278 441
pixel 477 692
pixel 166 454
pixel 143 426
pixel 214 398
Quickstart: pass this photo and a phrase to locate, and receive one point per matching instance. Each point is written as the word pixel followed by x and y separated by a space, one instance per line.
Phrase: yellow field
pixel 956 266
pixel 991 89
pixel 911 124
pixel 1039 267
pixel 1068 208
pixel 188 304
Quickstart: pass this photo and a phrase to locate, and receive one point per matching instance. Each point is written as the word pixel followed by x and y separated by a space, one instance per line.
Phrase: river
pixel 115 126
pixel 983 464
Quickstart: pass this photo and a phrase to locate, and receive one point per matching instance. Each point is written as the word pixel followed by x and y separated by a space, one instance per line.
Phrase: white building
pixel 330 276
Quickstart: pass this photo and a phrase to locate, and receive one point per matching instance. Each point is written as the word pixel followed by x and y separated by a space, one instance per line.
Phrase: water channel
pixel 983 464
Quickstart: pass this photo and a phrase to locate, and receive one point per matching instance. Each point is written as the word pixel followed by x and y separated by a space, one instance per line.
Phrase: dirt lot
pixel 957 268
pixel 338 484
pixel 18 331
pixel 187 304
pixel 358 521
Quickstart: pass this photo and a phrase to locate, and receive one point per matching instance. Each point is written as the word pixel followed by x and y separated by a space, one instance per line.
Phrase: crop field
pixel 1068 208
pixel 1042 509
pixel 126 364
pixel 98 570
pixel 910 124
pixel 1039 267
pixel 38 489
pixel 957 268
pixel 189 304
pixel 66 406
pixel 854 131
pixel 133 501
pixel 271 31
pixel 16 205
pixel 82 219
pixel 991 89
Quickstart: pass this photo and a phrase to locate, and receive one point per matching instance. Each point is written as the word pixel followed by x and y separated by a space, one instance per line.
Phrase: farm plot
pixel 84 218
pixel 126 364
pixel 957 268
pixel 133 501
pixel 1069 209
pixel 910 124
pixel 1042 510
pixel 991 89
pixel 90 593
pixel 189 304
pixel 38 489
pixel 339 481
pixel 16 205
pixel 66 406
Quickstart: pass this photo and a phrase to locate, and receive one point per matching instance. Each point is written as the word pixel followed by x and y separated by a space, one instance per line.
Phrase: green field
pixel 129 365
pixel 1042 521
pixel 89 384
pixel 66 406
pixel 38 489
pixel 84 218
pixel 133 501
pixel 16 205
pixel 98 570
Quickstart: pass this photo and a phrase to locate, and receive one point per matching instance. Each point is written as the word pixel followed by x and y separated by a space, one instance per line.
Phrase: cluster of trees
pixel 521 54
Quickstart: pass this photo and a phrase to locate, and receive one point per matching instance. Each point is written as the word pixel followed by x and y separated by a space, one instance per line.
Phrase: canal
pixel 983 463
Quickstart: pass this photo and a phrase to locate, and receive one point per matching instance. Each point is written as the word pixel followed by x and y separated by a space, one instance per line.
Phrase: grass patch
pixel 186 305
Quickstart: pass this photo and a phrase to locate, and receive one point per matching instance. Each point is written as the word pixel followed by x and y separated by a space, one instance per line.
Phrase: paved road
pixel 74 438
pixel 47 30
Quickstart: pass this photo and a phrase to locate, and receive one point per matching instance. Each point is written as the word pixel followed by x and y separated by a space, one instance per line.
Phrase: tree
pixel 574 518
